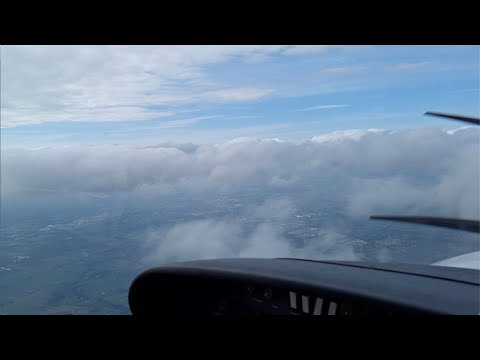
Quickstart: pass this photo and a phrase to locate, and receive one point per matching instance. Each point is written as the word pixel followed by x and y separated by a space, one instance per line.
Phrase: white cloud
pixel 321 107
pixel 346 135
pixel 12 118
pixel 308 49
pixel 209 238
pixel 342 70
pixel 422 170
pixel 168 124
pixel 236 94
pixel 243 117
pixel 115 83
pixel 409 66
pixel 358 172
pixel 465 90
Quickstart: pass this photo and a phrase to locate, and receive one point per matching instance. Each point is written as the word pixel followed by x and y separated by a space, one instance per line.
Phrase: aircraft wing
pixel 469 119
pixel 459 224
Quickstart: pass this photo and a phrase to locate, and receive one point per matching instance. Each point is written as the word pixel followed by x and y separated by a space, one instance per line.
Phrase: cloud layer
pixel 353 174
pixel 422 170
pixel 209 238
pixel 117 83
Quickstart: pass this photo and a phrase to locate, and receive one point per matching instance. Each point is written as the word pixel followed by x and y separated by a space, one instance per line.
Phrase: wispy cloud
pixel 240 117
pixel 321 107
pixel 465 90
pixel 180 123
pixel 17 117
pixel 307 49
pixel 100 83
pixel 184 122
pixel 137 83
pixel 409 66
pixel 236 94
pixel 342 70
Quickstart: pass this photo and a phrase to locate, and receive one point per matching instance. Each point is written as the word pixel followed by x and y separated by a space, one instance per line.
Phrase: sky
pixel 220 151
pixel 131 124
pixel 146 95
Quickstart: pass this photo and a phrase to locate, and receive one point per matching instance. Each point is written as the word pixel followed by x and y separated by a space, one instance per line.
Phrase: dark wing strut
pixel 468 119
pixel 459 224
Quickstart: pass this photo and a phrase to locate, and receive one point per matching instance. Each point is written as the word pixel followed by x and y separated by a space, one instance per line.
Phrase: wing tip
pixel 464 118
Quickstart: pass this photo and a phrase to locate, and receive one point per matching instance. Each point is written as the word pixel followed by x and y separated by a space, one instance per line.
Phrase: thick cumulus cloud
pixel 427 170
pixel 209 238
pixel 422 171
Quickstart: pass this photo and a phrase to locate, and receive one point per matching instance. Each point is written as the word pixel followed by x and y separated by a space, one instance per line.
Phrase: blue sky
pixel 61 95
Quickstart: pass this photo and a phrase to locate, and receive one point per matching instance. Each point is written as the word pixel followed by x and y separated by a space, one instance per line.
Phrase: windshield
pixel 115 159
